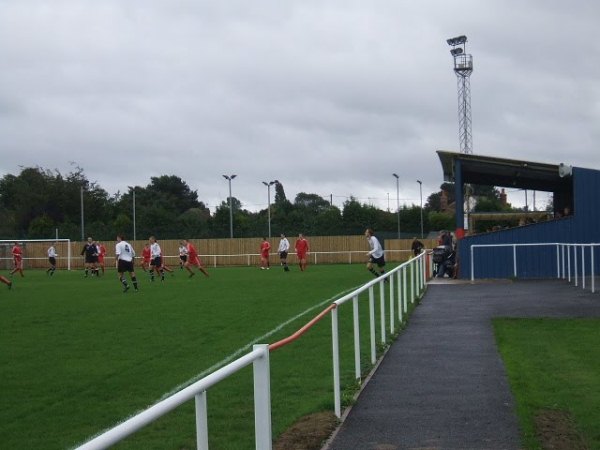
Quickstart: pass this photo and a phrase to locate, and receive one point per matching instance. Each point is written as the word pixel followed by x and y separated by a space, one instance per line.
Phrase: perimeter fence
pixel 215 252
pixel 574 262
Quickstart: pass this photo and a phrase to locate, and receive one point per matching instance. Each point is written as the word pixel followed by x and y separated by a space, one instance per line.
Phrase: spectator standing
pixel 416 246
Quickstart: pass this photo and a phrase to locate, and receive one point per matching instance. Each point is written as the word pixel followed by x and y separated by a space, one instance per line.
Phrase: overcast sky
pixel 328 96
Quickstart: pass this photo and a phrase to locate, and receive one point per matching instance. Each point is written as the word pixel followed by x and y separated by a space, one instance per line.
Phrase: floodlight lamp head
pixel 456 51
pixel 395 175
pixel 459 40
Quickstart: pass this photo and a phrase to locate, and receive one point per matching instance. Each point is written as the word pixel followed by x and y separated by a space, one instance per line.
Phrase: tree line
pixel 37 202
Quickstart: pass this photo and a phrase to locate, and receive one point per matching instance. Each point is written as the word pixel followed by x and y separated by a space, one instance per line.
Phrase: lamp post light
pixel 398 200
pixel 268 184
pixel 229 178
pixel 421 197
pixel 134 227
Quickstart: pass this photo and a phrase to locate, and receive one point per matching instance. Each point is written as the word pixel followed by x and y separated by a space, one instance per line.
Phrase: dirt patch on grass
pixel 309 433
pixel 556 430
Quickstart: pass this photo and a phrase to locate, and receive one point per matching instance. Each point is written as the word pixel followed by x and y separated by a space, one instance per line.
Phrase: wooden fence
pixel 223 252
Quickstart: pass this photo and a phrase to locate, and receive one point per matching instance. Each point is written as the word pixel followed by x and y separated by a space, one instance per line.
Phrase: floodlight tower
pixel 463 67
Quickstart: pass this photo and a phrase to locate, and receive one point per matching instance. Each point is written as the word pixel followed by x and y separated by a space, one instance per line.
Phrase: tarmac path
pixel 442 384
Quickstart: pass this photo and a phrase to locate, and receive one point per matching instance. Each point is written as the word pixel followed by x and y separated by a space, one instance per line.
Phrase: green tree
pixel 441 221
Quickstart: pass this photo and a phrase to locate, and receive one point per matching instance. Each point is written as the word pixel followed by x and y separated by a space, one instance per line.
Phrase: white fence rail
pixel 570 262
pixel 397 282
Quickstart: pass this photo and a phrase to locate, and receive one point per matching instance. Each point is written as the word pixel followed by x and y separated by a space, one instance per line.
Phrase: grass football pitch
pixel 77 355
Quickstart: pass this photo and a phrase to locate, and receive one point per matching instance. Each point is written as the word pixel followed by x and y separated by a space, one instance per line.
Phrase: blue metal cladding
pixel 583 226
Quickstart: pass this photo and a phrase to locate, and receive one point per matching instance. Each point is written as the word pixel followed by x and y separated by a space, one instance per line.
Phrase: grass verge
pixel 553 367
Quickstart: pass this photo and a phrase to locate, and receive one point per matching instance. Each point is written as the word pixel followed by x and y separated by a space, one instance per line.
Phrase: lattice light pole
pixel 463 67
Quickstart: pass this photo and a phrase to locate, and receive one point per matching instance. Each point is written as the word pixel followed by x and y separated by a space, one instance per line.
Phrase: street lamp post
pixel 229 178
pixel 82 220
pixel 398 200
pixel 268 184
pixel 421 197
pixel 134 228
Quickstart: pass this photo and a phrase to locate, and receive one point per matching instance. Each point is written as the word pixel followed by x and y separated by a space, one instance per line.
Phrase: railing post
pixel 381 312
pixel 563 261
pixel 335 350
pixel 582 266
pixel 514 260
pixel 372 324
pixel 423 272
pixel 412 280
pixel 557 261
pixel 404 287
pixel 576 272
pixel 569 261
pixel 592 263
pixel 392 319
pixel 262 399
pixel 356 338
pixel 399 296
pixel 472 264
pixel 201 421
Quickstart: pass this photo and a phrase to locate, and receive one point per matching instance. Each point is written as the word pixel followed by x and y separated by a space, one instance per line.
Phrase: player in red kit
pixel 17 255
pixel 265 247
pixel 193 259
pixel 101 254
pixel 6 281
pixel 146 257
pixel 302 249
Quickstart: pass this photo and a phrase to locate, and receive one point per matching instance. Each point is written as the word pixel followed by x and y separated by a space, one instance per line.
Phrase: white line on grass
pixel 262 338
pixel 237 353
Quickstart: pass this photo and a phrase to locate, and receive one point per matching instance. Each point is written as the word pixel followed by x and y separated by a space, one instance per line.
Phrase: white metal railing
pixel 259 357
pixel 565 252
pixel 399 299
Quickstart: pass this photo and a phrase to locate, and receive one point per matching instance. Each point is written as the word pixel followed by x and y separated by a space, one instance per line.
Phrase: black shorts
pixel 156 262
pixel 183 258
pixel 52 260
pixel 124 266
pixel 283 255
pixel 379 261
pixel 92 259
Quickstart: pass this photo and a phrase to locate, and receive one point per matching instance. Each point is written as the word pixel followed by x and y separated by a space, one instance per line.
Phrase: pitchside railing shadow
pixel 405 283
pixel 569 260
